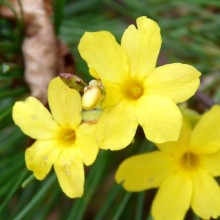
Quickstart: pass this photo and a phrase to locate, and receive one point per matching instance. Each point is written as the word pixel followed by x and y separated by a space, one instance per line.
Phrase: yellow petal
pixel 41 156
pixel 65 104
pixel 34 119
pixel 206 134
pixel 206 195
pixel 160 118
pixel 113 94
pixel 179 147
pixel 145 171
pixel 212 163
pixel 93 73
pixel 176 81
pixel 116 127
pixel 104 56
pixel 70 173
pixel 86 142
pixel 173 198
pixel 142 46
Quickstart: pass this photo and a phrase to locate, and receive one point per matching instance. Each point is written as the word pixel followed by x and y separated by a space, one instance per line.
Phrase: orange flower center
pixel 132 89
pixel 189 160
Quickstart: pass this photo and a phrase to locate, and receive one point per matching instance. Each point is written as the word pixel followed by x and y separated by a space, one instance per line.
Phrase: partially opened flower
pixel 136 91
pixel 183 170
pixel 62 140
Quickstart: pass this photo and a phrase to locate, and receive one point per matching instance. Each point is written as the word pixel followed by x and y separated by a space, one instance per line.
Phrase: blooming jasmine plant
pixel 63 141
pixel 183 171
pixel 137 92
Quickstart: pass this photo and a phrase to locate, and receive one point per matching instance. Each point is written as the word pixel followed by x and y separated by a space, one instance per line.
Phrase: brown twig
pixel 204 99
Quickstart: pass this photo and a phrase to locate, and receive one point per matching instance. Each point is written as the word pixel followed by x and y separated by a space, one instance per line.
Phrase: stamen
pixel 132 89
pixel 67 137
pixel 189 160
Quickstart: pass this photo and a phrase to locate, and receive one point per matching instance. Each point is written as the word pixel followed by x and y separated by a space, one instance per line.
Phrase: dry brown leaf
pixel 42 51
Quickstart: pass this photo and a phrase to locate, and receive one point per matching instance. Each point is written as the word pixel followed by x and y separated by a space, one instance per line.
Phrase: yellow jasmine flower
pixel 136 91
pixel 62 140
pixel 183 170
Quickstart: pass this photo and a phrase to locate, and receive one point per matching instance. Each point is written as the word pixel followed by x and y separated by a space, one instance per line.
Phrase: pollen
pixel 132 89
pixel 189 161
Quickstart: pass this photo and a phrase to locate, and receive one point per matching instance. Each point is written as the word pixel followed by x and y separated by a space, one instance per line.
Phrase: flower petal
pixel 145 171
pixel 160 118
pixel 34 119
pixel 113 94
pixel 176 81
pixel 212 163
pixel 65 104
pixel 104 55
pixel 116 127
pixel 206 135
pixel 206 195
pixel 41 156
pixel 86 142
pixel 179 147
pixel 142 46
pixel 70 173
pixel 93 73
pixel 173 198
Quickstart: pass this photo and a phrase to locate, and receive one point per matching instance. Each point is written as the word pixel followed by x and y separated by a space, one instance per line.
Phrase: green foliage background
pixel 191 34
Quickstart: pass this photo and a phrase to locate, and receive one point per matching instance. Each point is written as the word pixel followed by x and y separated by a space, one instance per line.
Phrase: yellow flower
pixel 183 170
pixel 136 91
pixel 62 140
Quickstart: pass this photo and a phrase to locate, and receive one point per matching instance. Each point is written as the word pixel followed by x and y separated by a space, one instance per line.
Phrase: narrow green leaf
pixel 58 14
pixel 27 181
pixel 115 190
pixel 13 190
pixel 122 206
pixel 14 92
pixel 36 198
pixel 5 113
pixel 140 206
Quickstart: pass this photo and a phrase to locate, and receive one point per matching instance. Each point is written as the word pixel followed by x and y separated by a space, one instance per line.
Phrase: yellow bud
pixel 91 98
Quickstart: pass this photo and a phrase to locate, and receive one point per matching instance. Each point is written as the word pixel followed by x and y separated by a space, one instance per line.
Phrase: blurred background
pixel 38 40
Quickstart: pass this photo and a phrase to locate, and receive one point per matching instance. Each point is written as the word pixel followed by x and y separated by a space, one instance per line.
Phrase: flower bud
pixel 91 98
pixel 73 81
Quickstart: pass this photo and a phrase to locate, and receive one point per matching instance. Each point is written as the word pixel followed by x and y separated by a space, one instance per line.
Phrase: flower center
pixel 67 137
pixel 189 160
pixel 132 89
